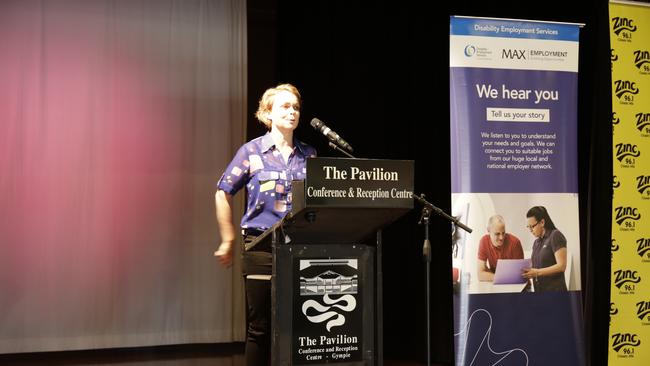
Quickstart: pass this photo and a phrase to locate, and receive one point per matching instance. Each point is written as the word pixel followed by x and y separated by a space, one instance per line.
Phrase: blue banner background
pixel 539 327
pixel 513 328
pixel 503 28
pixel 469 172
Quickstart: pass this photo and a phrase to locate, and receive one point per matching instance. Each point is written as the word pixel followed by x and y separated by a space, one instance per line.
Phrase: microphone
pixel 331 135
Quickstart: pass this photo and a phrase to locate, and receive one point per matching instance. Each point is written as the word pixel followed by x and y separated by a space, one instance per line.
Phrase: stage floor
pixel 180 355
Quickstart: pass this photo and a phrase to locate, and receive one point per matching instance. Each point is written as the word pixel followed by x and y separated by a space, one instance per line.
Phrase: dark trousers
pixel 258 305
pixel 258 322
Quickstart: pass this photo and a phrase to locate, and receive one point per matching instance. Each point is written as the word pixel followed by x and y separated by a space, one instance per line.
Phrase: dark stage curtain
pixel 377 72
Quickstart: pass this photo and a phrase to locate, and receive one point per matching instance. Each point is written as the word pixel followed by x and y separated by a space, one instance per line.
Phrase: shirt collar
pixel 301 147
pixel 547 233
pixel 267 143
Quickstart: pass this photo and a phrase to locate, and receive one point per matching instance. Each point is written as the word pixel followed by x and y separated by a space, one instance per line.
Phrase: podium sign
pixel 359 183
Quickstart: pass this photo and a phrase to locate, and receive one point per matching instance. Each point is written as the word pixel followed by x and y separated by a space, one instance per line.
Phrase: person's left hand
pixel 224 253
pixel 529 273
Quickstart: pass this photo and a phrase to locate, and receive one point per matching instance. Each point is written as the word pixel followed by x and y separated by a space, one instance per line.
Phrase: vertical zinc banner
pixel 513 95
pixel 629 333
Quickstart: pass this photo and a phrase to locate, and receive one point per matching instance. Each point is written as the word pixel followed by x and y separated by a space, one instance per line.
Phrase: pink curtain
pixel 116 118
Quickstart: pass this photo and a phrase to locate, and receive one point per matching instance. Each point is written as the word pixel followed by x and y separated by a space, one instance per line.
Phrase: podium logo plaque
pixel 327 326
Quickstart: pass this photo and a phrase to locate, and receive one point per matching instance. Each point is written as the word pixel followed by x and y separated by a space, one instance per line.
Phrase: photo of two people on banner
pixel 546 265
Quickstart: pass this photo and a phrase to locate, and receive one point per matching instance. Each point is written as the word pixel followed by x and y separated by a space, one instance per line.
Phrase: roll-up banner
pixel 629 332
pixel 513 86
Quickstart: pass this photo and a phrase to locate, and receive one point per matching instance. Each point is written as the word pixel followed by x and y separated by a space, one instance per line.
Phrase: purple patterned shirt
pixel 260 167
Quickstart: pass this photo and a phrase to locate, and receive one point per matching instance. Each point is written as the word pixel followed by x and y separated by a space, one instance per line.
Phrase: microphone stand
pixel 426 254
pixel 440 212
pixel 336 147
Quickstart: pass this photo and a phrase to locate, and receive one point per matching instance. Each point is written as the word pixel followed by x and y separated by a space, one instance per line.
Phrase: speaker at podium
pixel 327 274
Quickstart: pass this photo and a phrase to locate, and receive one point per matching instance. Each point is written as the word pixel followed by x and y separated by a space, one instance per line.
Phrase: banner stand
pixel 513 109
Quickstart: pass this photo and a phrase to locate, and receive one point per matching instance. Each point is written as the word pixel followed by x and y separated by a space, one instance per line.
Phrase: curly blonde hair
pixel 266 102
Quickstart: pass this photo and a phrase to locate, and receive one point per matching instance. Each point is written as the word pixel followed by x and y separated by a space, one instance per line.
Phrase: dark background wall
pixel 377 73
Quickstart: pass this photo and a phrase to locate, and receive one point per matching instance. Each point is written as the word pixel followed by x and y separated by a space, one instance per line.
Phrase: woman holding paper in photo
pixel 549 252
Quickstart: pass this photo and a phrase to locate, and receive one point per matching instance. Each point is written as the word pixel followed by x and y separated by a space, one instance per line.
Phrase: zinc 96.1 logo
pixel 643 123
pixel 643 248
pixel 613 310
pixel 627 153
pixel 643 311
pixel 623 28
pixel 643 186
pixel 614 247
pixel 625 90
pixel 626 217
pixel 626 280
pixel 616 120
pixel 642 61
pixel 625 344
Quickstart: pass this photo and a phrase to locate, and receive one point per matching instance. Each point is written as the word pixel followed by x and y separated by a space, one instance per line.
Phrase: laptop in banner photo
pixel 509 271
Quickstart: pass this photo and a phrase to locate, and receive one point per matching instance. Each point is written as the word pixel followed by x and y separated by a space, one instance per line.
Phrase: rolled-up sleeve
pixel 236 174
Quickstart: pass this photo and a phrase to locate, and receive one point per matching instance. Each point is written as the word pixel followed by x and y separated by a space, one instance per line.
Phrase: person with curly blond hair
pixel 265 166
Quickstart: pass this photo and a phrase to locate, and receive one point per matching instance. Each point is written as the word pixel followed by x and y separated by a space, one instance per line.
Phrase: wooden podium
pixel 327 274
